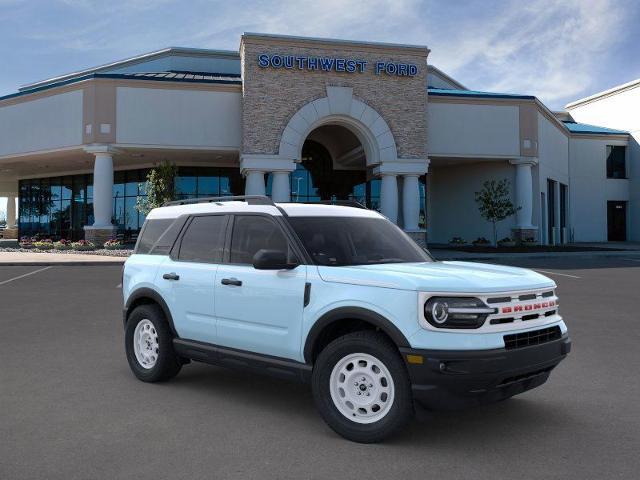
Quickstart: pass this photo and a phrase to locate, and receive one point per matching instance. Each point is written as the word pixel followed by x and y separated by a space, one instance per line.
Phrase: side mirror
pixel 272 260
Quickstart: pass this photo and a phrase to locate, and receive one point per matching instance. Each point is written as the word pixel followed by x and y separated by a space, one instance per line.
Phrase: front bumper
pixel 451 379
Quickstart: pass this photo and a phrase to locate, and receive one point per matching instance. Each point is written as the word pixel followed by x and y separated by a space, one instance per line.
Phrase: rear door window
pixel 203 241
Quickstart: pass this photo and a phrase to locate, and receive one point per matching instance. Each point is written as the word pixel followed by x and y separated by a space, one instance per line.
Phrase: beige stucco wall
pixel 178 117
pixel 459 129
pixel 453 210
pixel 44 123
pixel 272 96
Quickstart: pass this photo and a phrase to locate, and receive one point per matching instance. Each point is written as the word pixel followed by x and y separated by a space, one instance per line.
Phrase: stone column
pixel 389 196
pixel 524 198
pixel 280 188
pixel 102 228
pixel 255 182
pixel 11 212
pixel 411 202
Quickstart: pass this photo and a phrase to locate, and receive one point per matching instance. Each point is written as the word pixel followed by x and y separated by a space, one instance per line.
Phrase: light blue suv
pixel 339 297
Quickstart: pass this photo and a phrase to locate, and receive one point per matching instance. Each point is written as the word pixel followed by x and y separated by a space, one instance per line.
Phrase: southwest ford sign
pixel 334 64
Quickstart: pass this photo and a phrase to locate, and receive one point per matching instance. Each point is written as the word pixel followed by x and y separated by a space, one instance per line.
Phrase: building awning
pixel 585 128
pixel 474 93
pixel 170 76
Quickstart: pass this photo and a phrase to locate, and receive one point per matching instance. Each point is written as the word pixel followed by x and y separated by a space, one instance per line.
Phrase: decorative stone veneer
pixel 98 236
pixel 272 96
pixel 9 233
pixel 523 234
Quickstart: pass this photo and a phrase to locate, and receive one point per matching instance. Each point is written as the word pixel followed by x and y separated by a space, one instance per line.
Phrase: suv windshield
pixel 343 241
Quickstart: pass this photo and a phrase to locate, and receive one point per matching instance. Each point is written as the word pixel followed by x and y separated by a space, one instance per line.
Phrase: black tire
pixel 380 347
pixel 168 364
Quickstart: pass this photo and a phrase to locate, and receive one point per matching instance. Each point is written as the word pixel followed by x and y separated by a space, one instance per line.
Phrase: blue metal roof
pixel 188 77
pixel 444 92
pixel 575 127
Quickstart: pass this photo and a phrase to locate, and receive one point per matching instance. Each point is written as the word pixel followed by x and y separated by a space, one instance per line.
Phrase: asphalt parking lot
pixel 71 409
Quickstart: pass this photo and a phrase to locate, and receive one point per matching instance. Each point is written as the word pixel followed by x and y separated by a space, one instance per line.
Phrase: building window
pixel 616 161
pixel 59 207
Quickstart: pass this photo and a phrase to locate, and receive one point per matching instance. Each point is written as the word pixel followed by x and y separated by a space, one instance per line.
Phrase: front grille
pixel 535 337
pixel 499 300
pixel 528 296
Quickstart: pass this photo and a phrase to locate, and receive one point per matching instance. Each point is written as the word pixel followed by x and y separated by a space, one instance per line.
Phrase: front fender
pixel 352 313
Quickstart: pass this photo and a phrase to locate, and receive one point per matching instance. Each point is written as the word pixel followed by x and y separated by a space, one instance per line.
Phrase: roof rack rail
pixel 250 199
pixel 342 203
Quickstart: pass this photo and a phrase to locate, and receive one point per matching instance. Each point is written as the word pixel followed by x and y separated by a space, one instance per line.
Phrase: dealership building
pixel 306 120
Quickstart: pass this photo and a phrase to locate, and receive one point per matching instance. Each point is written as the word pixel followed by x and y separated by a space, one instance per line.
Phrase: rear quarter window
pixel 151 233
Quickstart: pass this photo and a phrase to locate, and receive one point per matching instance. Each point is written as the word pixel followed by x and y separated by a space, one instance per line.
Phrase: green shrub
pixel 83 245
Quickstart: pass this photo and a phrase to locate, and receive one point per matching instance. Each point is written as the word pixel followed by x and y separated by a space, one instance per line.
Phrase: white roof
pixel 291 209
pixel 605 93
pixel 321 210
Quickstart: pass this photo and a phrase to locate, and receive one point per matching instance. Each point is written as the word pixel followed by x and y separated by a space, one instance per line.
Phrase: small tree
pixel 494 203
pixel 160 187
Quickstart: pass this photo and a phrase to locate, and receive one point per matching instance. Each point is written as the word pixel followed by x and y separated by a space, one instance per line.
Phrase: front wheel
pixel 361 387
pixel 149 345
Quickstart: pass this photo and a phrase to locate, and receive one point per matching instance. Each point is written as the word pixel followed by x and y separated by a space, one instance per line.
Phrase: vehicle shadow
pixel 513 418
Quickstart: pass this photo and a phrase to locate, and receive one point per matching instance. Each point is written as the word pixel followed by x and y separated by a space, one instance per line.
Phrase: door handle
pixel 171 276
pixel 231 281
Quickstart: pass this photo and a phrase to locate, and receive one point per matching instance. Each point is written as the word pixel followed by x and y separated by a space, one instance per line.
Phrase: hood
pixel 458 277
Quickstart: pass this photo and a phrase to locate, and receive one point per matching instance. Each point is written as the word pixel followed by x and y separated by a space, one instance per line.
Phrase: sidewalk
pixel 37 259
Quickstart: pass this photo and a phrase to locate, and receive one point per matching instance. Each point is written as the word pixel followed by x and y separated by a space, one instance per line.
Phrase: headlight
pixel 456 312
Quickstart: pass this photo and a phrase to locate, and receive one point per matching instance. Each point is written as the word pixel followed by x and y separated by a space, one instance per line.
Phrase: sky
pixel 557 50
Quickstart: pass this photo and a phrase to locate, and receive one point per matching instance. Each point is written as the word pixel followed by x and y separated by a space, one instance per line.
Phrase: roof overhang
pixel 145 57
pixel 606 93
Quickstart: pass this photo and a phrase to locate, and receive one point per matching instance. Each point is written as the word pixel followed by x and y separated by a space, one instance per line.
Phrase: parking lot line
pixel 25 275
pixel 556 273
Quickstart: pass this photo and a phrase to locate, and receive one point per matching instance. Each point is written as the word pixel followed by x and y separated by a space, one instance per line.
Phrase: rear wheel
pixel 361 387
pixel 149 345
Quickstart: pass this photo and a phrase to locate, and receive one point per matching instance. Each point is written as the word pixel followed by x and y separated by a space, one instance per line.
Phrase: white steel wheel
pixel 145 344
pixel 361 388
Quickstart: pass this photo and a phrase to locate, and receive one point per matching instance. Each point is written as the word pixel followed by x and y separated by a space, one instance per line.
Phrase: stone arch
pixel 339 107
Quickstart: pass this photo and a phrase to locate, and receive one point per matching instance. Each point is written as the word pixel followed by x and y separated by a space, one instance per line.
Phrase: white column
pixel 411 202
pixel 255 183
pixel 389 196
pixel 280 189
pixel 103 189
pixel 11 212
pixel 524 193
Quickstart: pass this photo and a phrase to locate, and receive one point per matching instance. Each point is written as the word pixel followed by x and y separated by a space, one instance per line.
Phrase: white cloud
pixel 547 48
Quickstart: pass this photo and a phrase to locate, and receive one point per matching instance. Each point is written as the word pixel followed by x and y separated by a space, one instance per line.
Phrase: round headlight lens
pixel 456 312
pixel 439 311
